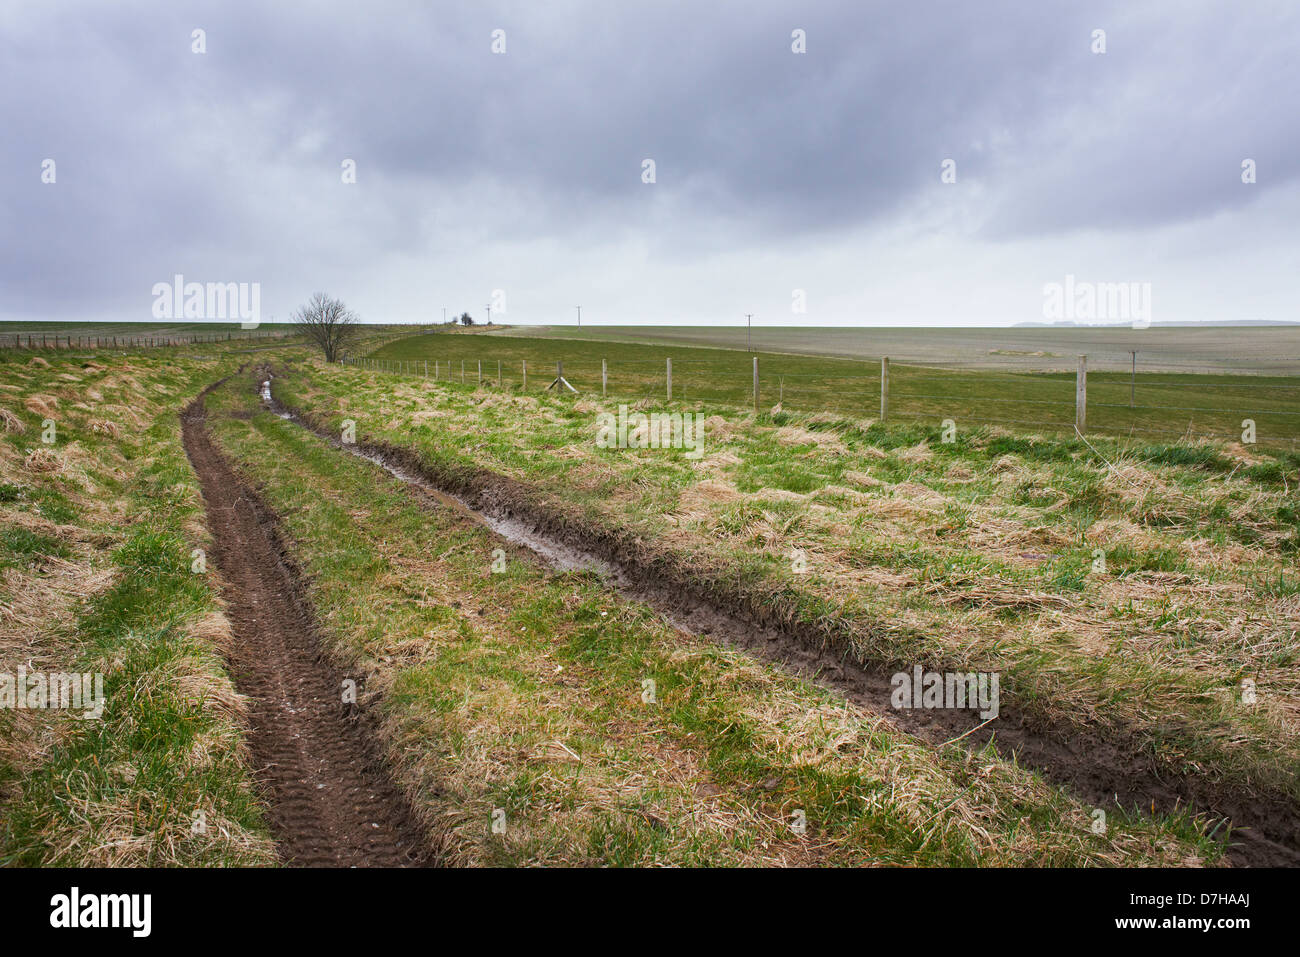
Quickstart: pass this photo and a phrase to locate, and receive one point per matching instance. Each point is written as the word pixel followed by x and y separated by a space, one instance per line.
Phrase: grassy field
pixel 524 691
pixel 1165 405
pixel 100 525
pixel 43 336
pixel 981 553
pixel 122 329
pixel 1129 593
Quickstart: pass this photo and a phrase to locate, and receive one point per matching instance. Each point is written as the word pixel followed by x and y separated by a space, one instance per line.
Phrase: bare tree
pixel 328 323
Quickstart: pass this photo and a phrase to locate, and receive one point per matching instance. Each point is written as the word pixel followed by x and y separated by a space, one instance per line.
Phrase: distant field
pixel 99 335
pixel 1256 349
pixel 129 335
pixel 133 328
pixel 1168 401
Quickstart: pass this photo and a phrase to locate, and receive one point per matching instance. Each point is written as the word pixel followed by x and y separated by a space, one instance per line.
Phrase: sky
pixel 814 163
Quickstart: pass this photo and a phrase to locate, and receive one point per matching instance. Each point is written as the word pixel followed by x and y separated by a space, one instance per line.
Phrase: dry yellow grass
pixel 11 422
pixel 43 604
pixel 796 435
pixel 44 461
pixel 42 405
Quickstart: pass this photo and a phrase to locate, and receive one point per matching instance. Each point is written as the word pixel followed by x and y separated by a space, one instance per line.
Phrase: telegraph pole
pixel 749 345
pixel 579 308
pixel 489 313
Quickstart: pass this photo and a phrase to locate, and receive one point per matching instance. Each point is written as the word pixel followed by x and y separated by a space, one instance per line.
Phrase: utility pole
pixel 489 313
pixel 444 315
pixel 749 345
pixel 579 308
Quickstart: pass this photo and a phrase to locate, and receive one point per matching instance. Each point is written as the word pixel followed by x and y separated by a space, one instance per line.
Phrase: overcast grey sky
pixel 775 171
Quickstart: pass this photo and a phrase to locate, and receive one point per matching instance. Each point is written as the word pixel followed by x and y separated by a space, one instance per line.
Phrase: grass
pixel 95 577
pixel 1118 585
pixel 523 691
pixel 1168 406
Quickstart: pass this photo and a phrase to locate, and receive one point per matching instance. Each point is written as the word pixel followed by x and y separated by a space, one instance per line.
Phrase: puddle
pixel 556 554
pixel 271 403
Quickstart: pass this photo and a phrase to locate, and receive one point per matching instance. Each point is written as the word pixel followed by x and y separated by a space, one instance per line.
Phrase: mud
pixel 331 801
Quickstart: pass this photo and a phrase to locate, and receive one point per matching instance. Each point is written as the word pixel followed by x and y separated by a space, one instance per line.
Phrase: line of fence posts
pixel 57 342
pixel 1080 391
pixel 1080 386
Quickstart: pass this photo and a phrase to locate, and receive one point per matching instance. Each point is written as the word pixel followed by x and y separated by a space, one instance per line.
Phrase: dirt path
pixel 332 803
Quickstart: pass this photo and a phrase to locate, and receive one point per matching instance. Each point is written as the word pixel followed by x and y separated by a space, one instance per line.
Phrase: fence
pixel 1096 396
pixel 64 341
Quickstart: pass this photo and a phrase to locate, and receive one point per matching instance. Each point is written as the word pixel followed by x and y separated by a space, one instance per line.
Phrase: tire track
pixel 332 802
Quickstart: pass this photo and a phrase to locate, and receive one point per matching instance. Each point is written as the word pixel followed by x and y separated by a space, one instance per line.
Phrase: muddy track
pixel 1103 769
pixel 331 801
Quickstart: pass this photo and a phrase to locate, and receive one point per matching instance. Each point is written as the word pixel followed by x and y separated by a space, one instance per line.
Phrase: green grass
pixel 98 555
pixel 976 554
pixel 480 673
pixel 1168 406
pixel 515 691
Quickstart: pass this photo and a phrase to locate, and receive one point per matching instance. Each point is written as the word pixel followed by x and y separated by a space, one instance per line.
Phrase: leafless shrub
pixel 329 323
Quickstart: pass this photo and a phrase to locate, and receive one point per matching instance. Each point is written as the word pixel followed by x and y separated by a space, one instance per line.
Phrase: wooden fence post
pixel 884 387
pixel 756 384
pixel 670 379
pixel 604 378
pixel 525 385
pixel 1081 396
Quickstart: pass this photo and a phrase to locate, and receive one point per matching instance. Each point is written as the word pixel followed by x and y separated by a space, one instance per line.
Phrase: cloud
pixel 522 171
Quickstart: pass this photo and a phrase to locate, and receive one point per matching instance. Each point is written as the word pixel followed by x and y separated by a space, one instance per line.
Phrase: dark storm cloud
pixel 227 163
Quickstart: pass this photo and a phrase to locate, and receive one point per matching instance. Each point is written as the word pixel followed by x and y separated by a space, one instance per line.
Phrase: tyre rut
pixel 331 800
